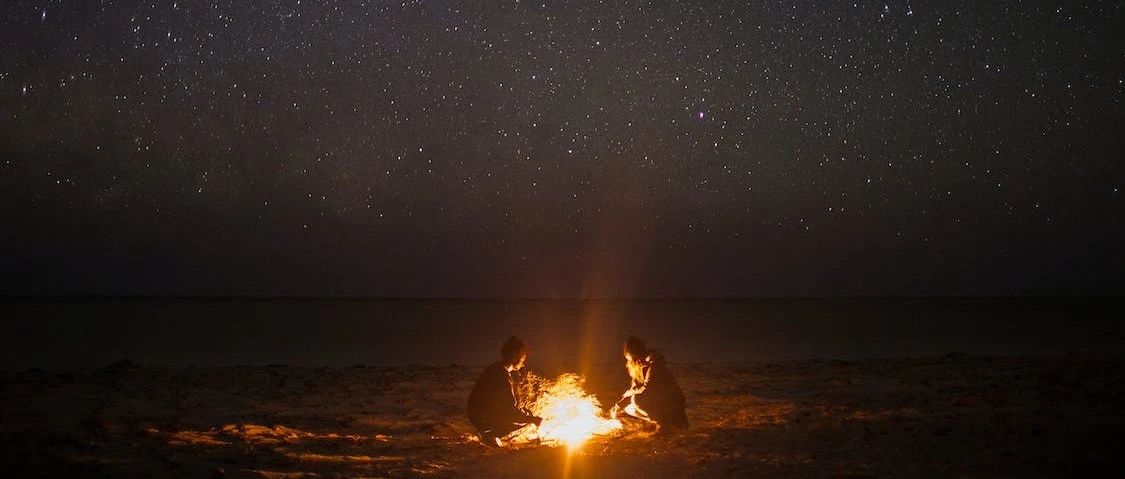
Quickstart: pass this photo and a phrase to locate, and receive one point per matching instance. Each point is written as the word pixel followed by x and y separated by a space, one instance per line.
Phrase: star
pixel 435 133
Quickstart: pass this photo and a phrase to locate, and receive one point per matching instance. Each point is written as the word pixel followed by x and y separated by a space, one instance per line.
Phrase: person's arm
pixel 521 414
pixel 528 418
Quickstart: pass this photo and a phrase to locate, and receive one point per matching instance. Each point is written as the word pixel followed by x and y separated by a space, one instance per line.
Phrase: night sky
pixel 560 149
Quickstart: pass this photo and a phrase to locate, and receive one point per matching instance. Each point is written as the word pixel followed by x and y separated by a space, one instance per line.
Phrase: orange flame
pixel 571 416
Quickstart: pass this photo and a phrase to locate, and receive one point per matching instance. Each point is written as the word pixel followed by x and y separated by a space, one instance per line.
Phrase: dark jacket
pixel 492 403
pixel 662 398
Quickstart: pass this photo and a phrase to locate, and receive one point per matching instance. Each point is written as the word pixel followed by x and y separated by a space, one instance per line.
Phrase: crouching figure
pixel 493 403
pixel 654 396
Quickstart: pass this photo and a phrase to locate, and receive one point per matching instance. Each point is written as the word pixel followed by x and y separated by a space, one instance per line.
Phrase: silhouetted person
pixel 493 406
pixel 653 395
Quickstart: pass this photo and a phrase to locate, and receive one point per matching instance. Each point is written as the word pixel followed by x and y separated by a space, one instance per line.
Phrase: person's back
pixel 492 405
pixel 662 397
pixel 654 390
pixel 491 401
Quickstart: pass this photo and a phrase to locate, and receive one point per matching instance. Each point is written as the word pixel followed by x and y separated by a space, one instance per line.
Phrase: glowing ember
pixel 570 415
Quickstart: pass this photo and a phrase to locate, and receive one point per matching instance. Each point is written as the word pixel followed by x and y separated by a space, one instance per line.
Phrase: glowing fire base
pixel 570 415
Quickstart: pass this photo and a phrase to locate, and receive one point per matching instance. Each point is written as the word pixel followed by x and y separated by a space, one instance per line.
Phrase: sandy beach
pixel 949 416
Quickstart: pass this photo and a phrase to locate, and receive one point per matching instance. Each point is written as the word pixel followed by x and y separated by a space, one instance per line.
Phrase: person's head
pixel 513 354
pixel 636 357
pixel 635 349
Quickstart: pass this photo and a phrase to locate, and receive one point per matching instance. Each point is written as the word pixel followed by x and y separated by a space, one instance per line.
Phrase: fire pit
pixel 571 416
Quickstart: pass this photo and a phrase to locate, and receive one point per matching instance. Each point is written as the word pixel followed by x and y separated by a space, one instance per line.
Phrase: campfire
pixel 571 416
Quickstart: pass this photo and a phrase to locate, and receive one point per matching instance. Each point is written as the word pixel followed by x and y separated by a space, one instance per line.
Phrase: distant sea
pixel 76 333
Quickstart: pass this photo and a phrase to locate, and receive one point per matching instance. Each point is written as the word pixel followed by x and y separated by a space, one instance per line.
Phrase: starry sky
pixel 561 149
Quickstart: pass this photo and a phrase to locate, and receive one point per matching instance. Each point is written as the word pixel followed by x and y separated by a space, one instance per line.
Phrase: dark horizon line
pixel 280 297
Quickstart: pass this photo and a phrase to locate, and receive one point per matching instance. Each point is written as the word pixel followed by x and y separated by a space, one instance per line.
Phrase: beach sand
pixel 950 416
